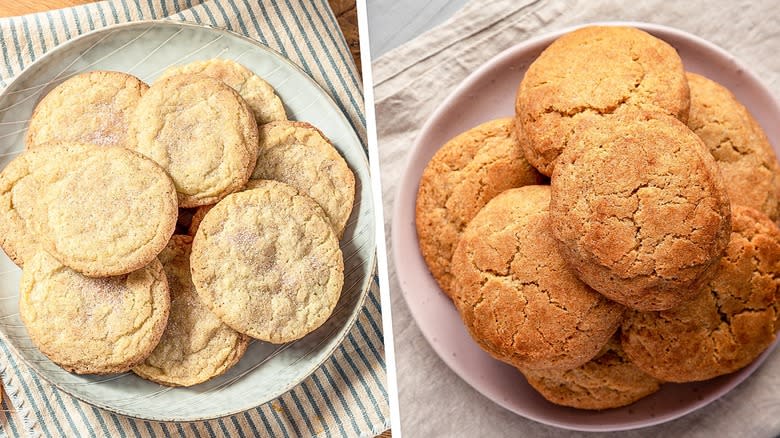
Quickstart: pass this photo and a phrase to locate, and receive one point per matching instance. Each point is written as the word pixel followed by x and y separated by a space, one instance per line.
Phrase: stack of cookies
pixel 90 210
pixel 650 255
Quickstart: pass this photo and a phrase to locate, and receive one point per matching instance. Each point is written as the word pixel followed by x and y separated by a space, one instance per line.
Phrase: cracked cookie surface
pixel 104 211
pixel 258 94
pixel 607 381
pixel 20 192
pixel 591 72
pixel 640 209
pixel 93 107
pixel 517 297
pixel 298 154
pixel 201 132
pixel 93 325
pixel 729 323
pixel 267 262
pixel 745 158
pixel 196 345
pixel 464 174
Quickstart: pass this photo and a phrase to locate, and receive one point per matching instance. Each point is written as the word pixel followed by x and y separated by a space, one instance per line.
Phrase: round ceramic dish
pixel 266 371
pixel 489 93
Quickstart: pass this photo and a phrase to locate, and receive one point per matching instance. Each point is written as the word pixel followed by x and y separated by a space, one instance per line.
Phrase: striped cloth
pixel 347 396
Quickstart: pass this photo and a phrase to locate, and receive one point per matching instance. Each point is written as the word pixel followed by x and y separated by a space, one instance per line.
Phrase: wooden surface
pixel 345 11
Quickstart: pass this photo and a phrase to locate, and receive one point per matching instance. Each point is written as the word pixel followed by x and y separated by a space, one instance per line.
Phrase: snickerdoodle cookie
pixel 196 345
pixel 739 145
pixel 267 262
pixel 591 72
pixel 258 94
pixel 104 211
pixel 517 297
pixel 463 175
pixel 201 132
pixel 298 154
pixel 640 209
pixel 20 192
pixel 731 320
pixel 93 107
pixel 607 381
pixel 93 325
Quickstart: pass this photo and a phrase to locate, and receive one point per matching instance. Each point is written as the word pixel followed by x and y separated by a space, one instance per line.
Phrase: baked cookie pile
pixel 113 167
pixel 652 254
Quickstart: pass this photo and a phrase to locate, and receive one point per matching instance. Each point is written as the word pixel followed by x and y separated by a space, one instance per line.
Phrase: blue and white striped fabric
pixel 347 396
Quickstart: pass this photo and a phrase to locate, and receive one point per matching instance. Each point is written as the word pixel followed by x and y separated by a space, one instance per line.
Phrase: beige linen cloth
pixel 412 80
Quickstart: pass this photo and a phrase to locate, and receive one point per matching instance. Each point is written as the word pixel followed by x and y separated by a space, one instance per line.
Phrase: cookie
pixel 739 145
pixel 463 175
pixel 198 216
pixel 286 268
pixel 196 345
pixel 201 132
pixel 201 211
pixel 640 209
pixel 729 323
pixel 298 154
pixel 518 299
pixel 258 94
pixel 591 72
pixel 93 107
pixel 20 192
pixel 93 325
pixel 104 211
pixel 607 381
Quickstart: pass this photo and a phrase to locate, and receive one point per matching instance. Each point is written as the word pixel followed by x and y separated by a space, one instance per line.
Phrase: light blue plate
pixel 145 49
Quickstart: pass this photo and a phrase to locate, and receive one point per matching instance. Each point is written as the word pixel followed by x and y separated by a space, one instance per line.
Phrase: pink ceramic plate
pixel 489 93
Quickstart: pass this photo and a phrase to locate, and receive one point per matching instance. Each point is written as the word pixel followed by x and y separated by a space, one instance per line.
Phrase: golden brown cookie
pixel 93 325
pixel 591 72
pixel 729 323
pixel 640 209
pixel 517 297
pixel 463 175
pixel 285 266
pixel 607 381
pixel 93 107
pixel 258 94
pixel 298 154
pixel 104 211
pixel 745 158
pixel 196 345
pixel 201 132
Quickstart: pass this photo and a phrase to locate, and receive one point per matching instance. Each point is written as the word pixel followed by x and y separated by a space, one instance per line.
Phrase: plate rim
pixel 409 183
pixel 371 261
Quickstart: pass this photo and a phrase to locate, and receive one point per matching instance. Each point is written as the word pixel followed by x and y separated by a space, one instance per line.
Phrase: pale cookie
pixel 93 107
pixel 196 345
pixel 104 211
pixel 517 297
pixel 745 158
pixel 607 381
pixel 640 209
pixel 591 72
pixel 93 325
pixel 267 262
pixel 201 132
pixel 201 211
pixel 729 323
pixel 463 175
pixel 298 154
pixel 258 94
